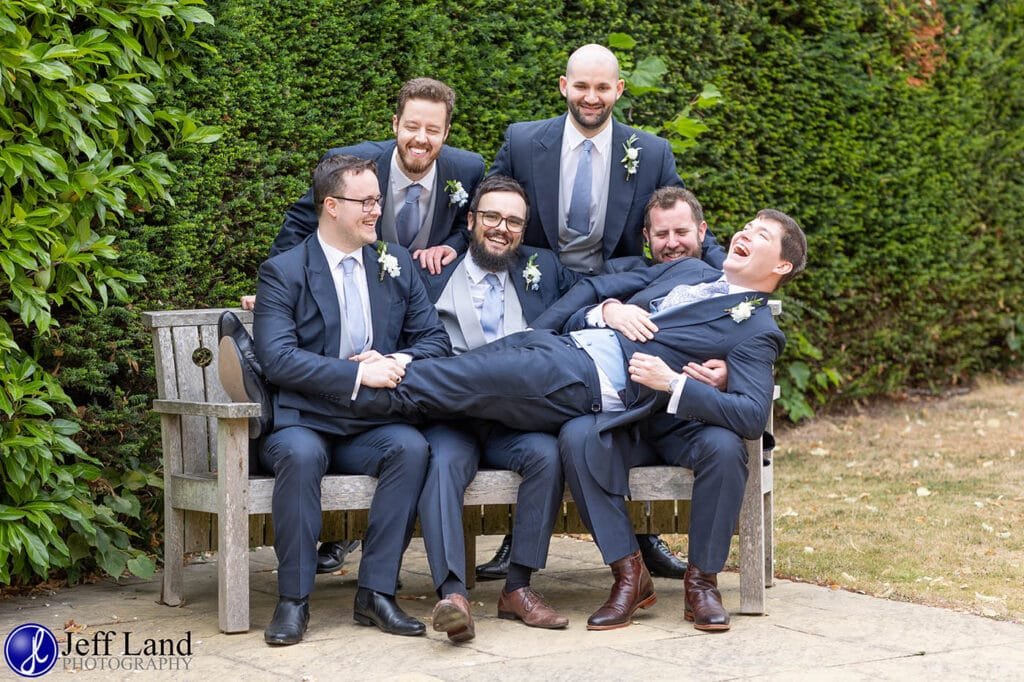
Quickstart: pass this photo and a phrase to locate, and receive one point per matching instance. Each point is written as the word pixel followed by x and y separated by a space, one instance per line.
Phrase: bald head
pixel 593 56
pixel 591 86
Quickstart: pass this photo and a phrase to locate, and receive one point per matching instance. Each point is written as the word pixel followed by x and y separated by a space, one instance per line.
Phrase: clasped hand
pixel 379 371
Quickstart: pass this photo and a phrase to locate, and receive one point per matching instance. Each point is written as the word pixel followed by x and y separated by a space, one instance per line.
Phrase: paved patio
pixel 809 632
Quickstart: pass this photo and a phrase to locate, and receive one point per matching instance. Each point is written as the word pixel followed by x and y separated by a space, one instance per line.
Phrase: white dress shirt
pixel 600 164
pixel 334 258
pixel 399 186
pixel 478 288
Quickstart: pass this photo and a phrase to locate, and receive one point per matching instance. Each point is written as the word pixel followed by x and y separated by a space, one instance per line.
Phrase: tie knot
pixel 587 146
pixel 493 281
pixel 348 264
pixel 413 193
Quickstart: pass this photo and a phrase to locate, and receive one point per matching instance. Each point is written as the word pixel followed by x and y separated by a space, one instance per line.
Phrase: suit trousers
pixel 531 381
pixel 457 450
pixel 718 460
pixel 396 454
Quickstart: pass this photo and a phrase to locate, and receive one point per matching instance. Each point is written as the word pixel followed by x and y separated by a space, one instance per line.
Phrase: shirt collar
pixel 477 273
pixel 574 138
pixel 335 256
pixel 400 180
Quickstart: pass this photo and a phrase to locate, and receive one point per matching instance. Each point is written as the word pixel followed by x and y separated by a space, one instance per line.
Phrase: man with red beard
pixel 425 184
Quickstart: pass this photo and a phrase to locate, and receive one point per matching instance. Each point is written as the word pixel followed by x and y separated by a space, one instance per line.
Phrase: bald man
pixel 588 178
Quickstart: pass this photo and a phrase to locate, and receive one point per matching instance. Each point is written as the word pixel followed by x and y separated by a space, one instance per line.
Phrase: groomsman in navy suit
pixel 588 177
pixel 335 316
pixel 496 288
pixel 425 185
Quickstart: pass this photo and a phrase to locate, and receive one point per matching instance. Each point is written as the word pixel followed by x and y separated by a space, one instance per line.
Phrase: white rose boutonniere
pixel 743 310
pixel 632 158
pixel 388 263
pixel 531 273
pixel 456 193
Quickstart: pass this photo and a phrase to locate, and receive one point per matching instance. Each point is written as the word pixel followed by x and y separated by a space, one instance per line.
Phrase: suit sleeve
pixel 275 334
pixel 712 252
pixel 458 239
pixel 590 291
pixel 299 222
pixel 746 403
pixel 668 176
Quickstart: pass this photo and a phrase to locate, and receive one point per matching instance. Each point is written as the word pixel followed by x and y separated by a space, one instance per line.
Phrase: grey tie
pixel 685 294
pixel 355 321
pixel 579 206
pixel 407 222
pixel 493 308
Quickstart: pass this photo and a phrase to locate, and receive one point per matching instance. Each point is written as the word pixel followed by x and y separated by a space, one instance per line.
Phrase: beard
pixel 415 165
pixel 490 261
pixel 577 115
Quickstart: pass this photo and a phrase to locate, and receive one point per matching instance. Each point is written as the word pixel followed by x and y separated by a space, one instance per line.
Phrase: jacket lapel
pixel 620 191
pixel 443 207
pixel 321 286
pixel 377 291
pixel 546 169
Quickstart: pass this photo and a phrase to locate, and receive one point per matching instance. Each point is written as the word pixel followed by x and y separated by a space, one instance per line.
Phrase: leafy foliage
pixel 83 144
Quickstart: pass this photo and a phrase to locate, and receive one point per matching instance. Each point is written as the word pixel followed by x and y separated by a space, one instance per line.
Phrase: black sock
pixel 452 585
pixel 518 577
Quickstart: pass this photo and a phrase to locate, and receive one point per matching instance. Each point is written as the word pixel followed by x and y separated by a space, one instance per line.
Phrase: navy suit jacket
pixel 555 280
pixel 449 222
pixel 297 331
pixel 692 333
pixel 531 153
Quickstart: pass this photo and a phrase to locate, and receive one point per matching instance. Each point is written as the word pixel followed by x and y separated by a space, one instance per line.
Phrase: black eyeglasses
pixel 493 219
pixel 368 204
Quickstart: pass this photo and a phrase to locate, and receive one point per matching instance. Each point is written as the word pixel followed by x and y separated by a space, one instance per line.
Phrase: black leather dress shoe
pixel 291 618
pixel 659 559
pixel 374 608
pixel 240 372
pixel 497 568
pixel 331 555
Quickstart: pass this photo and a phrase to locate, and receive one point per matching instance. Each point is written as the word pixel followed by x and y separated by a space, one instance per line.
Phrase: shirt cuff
pixel 595 316
pixel 403 358
pixel 359 376
pixel 673 403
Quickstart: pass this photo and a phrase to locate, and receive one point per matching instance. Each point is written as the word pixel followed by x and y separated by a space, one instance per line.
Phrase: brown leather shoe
pixel 632 590
pixel 452 615
pixel 703 600
pixel 528 605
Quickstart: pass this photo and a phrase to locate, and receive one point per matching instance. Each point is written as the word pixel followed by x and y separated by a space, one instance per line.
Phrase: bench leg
pixel 469 540
pixel 233 525
pixel 752 535
pixel 769 537
pixel 174 519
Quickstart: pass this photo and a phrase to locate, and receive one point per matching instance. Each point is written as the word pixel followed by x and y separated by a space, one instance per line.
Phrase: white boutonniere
pixel 631 160
pixel 531 273
pixel 456 193
pixel 744 309
pixel 388 263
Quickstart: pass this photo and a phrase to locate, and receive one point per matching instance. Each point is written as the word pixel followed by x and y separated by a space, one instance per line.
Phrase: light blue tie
pixel 355 321
pixel 493 308
pixel 407 222
pixel 579 205
pixel 684 294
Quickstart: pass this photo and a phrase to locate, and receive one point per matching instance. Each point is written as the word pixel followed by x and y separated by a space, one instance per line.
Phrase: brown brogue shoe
pixel 632 590
pixel 528 605
pixel 452 616
pixel 703 600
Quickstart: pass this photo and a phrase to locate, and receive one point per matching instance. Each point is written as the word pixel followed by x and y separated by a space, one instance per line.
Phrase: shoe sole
pixel 711 627
pixel 452 621
pixel 650 601
pixel 512 615
pixel 232 378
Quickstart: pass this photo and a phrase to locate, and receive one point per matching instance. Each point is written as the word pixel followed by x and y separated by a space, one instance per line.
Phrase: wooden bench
pixel 206 474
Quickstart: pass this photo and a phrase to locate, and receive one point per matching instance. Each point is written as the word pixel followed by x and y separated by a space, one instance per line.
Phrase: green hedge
pixel 890 129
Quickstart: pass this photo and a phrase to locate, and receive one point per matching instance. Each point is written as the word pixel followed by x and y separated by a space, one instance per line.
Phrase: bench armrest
pixel 203 409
